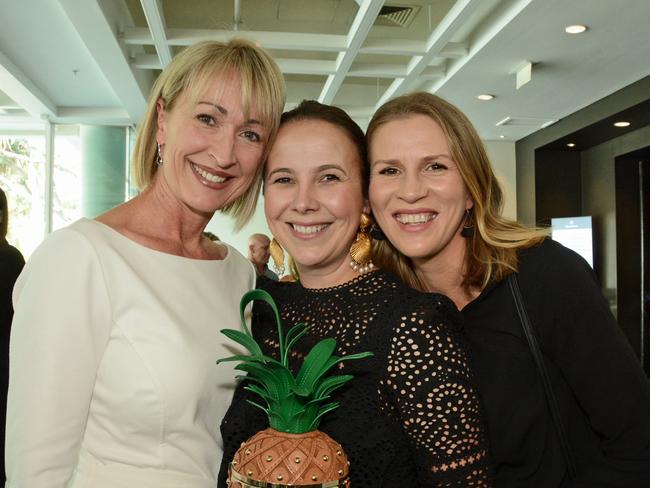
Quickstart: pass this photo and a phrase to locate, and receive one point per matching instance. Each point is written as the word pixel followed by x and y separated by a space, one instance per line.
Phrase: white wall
pixel 502 157
pixel 223 227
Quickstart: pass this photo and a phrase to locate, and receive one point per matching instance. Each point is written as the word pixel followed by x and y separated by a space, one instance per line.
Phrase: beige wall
pixel 599 195
pixel 502 157
pixel 525 148
pixel 599 201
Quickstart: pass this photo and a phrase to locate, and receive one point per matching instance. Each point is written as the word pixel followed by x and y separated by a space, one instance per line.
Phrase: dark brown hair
pixel 313 110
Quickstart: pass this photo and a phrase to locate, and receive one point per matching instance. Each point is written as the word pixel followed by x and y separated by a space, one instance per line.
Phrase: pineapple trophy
pixel 291 452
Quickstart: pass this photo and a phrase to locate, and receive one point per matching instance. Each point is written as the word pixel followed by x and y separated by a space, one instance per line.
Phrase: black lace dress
pixel 411 416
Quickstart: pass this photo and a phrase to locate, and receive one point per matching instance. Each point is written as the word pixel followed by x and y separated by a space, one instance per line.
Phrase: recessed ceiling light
pixel 622 124
pixel 571 144
pixel 485 96
pixel 575 29
pixel 502 136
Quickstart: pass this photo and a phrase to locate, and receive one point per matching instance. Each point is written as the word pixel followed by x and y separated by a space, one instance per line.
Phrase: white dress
pixel 113 376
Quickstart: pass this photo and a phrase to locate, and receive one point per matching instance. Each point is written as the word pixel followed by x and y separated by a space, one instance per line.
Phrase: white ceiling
pixel 93 61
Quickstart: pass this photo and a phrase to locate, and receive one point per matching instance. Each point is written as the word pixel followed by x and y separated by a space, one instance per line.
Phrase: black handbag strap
pixel 541 368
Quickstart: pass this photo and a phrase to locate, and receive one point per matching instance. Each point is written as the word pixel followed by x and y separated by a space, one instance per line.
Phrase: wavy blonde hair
pixel 191 72
pixel 492 251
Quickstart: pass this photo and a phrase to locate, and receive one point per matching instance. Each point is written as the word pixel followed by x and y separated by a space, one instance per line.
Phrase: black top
pixel 11 264
pixel 602 390
pixel 410 417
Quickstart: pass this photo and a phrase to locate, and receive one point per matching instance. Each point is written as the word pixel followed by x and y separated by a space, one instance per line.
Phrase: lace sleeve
pixel 431 390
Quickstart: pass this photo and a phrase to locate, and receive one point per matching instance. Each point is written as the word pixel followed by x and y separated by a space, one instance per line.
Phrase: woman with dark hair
pixel 11 264
pixel 410 417
pixel 566 401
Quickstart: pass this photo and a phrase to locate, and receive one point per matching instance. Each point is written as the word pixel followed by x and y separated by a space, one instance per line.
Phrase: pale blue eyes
pixel 206 119
pixel 252 136
pixel 330 177
pixel 324 179
pixel 209 120
pixel 433 168
pixel 282 180
pixel 436 167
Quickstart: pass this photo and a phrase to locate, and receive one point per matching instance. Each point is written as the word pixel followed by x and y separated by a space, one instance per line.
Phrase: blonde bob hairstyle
pixel 190 73
pixel 492 250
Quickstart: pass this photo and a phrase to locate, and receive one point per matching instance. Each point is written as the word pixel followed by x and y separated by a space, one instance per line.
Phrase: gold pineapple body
pixel 292 452
pixel 280 459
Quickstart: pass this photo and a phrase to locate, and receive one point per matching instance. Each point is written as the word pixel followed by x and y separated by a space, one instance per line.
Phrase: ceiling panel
pixel 105 54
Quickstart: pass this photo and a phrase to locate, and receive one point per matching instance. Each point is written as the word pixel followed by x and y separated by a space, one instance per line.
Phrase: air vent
pixel 527 121
pixel 397 15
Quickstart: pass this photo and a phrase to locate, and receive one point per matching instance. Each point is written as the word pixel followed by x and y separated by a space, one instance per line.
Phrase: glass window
pixel 66 175
pixel 22 176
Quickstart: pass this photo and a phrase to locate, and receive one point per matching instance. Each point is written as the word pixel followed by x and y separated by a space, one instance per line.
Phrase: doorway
pixel 632 174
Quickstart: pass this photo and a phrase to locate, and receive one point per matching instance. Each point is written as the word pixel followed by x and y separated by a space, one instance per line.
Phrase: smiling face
pixel 210 149
pixel 313 198
pixel 417 193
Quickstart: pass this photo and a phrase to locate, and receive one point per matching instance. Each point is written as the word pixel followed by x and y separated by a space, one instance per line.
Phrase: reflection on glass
pixel 66 175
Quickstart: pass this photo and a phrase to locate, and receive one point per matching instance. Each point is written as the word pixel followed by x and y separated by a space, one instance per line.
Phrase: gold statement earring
pixel 277 254
pixel 361 248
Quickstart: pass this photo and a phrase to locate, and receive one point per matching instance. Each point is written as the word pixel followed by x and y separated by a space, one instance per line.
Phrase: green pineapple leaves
pixel 293 404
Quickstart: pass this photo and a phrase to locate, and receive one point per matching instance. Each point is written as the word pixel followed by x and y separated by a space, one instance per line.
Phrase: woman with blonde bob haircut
pixel 564 397
pixel 261 83
pixel 116 328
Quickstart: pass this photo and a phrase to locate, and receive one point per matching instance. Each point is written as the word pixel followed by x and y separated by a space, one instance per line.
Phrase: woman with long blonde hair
pixel 566 400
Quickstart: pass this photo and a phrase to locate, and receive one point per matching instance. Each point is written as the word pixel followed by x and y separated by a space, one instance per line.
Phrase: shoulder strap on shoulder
pixel 541 368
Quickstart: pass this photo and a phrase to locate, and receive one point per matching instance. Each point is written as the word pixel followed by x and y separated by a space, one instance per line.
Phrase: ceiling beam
pixel 484 35
pixel 393 47
pixel 156 21
pixel 98 35
pixel 363 21
pixel 23 91
pixel 454 50
pixel 377 70
pixel 287 66
pixel 269 40
pixel 433 73
pixel 146 61
pixel 94 116
pixel 443 33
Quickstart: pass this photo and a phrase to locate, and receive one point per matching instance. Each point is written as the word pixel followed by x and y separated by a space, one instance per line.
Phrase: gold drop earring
pixel 277 254
pixel 361 248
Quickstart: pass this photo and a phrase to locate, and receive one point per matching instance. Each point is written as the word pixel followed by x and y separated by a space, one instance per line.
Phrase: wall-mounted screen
pixel 576 234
